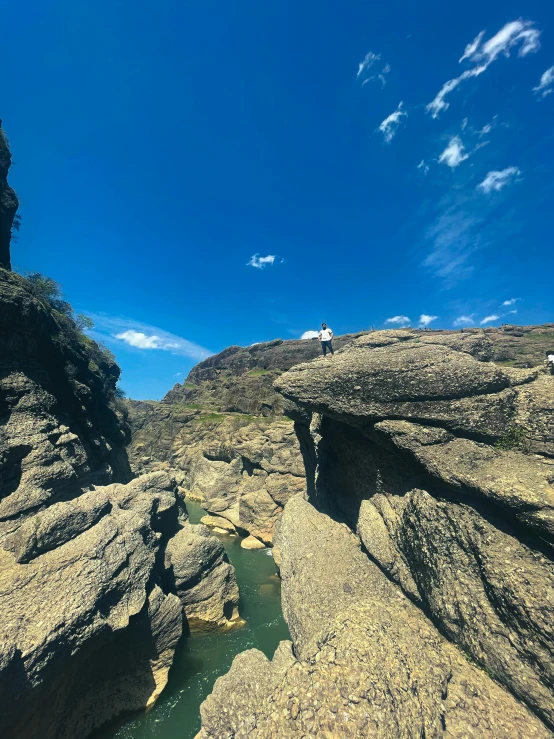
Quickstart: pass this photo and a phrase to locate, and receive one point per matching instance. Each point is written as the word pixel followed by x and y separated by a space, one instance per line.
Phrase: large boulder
pixel 411 379
pixel 203 579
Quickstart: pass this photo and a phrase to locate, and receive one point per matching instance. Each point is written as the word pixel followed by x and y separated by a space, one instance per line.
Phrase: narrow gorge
pixel 286 545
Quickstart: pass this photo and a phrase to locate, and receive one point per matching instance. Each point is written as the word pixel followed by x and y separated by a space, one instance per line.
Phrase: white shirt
pixel 550 358
pixel 325 334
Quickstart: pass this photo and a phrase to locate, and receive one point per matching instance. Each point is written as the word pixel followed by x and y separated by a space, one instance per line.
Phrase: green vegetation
pixel 260 372
pixel 209 418
pixel 514 438
pixel 87 362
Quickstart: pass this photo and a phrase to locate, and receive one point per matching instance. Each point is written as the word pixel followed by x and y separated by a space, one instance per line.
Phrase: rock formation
pixel 8 202
pixel 223 434
pixel 91 586
pixel 417 576
pixel 204 580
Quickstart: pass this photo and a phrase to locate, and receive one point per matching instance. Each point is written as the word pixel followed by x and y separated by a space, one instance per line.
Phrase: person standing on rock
pixel 550 361
pixel 326 339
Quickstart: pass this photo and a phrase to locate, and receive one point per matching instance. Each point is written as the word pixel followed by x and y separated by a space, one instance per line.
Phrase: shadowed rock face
pixel 89 622
pixel 8 202
pixel 426 539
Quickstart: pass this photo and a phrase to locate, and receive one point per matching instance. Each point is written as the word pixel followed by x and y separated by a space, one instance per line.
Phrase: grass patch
pixel 209 418
pixel 259 372
pixel 514 438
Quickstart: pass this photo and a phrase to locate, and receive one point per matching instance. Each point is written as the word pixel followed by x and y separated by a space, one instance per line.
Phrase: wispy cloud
pixel 261 262
pixel 496 180
pixel 490 319
pixel 366 66
pixel 509 302
pixel 309 335
pixel 517 33
pixel 546 83
pixel 454 154
pixel 367 62
pixel 120 331
pixel 398 320
pixel 454 236
pixel 425 320
pixel 423 167
pixel 391 123
pixel 464 321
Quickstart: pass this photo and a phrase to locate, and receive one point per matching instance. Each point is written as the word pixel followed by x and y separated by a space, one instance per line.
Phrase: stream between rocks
pixel 202 658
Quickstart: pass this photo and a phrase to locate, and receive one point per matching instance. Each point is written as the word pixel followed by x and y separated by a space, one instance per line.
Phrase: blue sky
pixel 197 175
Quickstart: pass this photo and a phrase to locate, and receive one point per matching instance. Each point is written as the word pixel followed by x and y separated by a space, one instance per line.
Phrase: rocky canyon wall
pixel 417 575
pixel 99 573
pixel 8 202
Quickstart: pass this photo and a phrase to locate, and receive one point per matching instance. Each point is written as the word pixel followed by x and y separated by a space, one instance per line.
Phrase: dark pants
pixel 327 345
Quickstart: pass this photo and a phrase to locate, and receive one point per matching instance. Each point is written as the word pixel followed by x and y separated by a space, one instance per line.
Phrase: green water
pixel 201 659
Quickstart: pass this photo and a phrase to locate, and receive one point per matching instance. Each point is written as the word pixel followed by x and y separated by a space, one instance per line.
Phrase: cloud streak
pixel 517 33
pixel 546 83
pixel 390 125
pixel 398 320
pixel 367 62
pixel 121 331
pixel 464 321
pixel 496 180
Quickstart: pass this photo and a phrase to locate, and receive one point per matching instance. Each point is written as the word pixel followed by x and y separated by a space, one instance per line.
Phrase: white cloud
pixel 464 124
pixel 398 320
pixel 472 47
pixel 545 85
pixel 425 320
pixel 390 125
pixel 309 335
pixel 520 32
pixel 423 166
pixel 365 66
pixel 489 319
pixel 454 154
pixel 487 128
pixel 119 331
pixel 464 321
pixel 260 262
pixel 511 301
pixel 367 62
pixel 496 180
pixel 142 341
pixel 178 374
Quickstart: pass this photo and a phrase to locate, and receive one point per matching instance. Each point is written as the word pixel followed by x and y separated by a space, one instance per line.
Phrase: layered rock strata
pixel 417 577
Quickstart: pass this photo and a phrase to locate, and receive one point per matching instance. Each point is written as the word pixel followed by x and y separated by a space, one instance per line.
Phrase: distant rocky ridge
pixel 99 573
pixel 417 574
